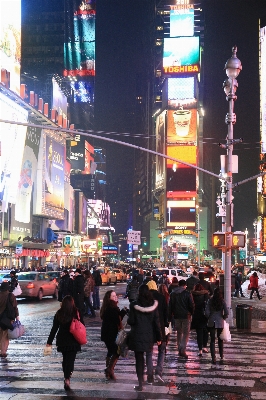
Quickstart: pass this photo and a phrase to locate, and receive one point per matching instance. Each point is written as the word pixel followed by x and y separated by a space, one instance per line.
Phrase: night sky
pixel 120 25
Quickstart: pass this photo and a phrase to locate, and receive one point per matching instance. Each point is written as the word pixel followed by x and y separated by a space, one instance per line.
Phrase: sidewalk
pixel 258 322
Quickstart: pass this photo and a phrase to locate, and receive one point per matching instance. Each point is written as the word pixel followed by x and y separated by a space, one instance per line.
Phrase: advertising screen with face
pixel 181 55
pixel 182 22
pixel 10 40
pixel 12 138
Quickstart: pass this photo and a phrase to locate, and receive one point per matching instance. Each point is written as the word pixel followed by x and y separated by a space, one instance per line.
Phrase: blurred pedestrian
pixel 163 318
pixel 164 279
pixel 88 289
pixel 155 277
pixel 65 286
pixel 112 317
pixel 132 289
pixel 65 341
pixel 216 311
pixel 13 281
pixel 173 285
pixel 199 320
pixel 145 329
pixel 6 296
pixel 205 283
pixel 78 292
pixel 181 307
pixel 238 285
pixel 254 285
pixel 96 290
pixel 140 276
pixel 192 281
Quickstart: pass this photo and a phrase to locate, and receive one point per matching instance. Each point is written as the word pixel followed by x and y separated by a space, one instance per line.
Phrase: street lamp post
pixel 233 67
pixel 119 247
pixel 246 246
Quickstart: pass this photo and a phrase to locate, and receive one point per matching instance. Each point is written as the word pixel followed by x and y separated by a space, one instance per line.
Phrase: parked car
pixel 120 275
pixel 171 272
pixel 4 276
pixel 108 276
pixel 37 284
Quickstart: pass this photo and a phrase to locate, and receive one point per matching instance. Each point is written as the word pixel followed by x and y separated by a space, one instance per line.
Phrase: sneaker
pixel 159 378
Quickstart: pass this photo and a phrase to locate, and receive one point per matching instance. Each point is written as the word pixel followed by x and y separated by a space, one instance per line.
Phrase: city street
pixel 27 374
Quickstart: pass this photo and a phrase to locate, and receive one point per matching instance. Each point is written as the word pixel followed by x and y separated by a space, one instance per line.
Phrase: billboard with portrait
pixel 160 148
pixel 10 41
pixel 181 55
pixel 182 126
pixel 182 22
pixel 49 196
pixel 12 140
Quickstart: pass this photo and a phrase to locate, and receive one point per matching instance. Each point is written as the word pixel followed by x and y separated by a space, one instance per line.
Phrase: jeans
pixel 139 356
pixel 89 306
pixel 149 364
pixel 160 359
pixel 183 329
pixel 96 297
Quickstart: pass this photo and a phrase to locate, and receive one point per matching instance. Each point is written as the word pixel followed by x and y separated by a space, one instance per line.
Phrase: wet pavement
pixel 27 374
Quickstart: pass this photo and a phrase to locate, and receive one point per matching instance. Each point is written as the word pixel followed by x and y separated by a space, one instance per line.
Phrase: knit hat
pixel 152 285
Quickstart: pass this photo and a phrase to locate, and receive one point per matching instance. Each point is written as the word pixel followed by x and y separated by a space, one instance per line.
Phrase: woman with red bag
pixel 254 285
pixel 65 341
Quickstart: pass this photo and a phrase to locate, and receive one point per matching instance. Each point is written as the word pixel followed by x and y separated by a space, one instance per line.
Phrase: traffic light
pixel 238 239
pixel 218 239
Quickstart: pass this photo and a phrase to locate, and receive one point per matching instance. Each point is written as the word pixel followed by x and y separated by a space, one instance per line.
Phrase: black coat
pixel 65 287
pixel 111 323
pixel 145 327
pixel 181 304
pixel 65 341
pixel 162 310
pixel 200 298
pixel 78 291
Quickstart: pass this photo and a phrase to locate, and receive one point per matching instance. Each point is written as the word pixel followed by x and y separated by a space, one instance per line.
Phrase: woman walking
pixel 145 329
pixel 254 285
pixel 88 290
pixel 6 296
pixel 216 312
pixel 199 320
pixel 65 341
pixel 111 316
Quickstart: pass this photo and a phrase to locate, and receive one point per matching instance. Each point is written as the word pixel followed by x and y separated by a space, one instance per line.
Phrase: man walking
pixel 238 283
pixel 78 292
pixel 192 281
pixel 181 307
pixel 96 290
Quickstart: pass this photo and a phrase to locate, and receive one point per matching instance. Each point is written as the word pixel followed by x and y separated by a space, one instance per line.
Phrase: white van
pixel 172 272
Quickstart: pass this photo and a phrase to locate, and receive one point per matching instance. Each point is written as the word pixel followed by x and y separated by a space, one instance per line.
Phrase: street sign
pixel 133 237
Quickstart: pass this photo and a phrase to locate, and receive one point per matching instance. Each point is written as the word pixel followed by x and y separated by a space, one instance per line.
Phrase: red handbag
pixel 78 330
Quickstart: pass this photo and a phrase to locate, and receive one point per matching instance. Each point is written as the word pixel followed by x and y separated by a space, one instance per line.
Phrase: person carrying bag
pixel 8 313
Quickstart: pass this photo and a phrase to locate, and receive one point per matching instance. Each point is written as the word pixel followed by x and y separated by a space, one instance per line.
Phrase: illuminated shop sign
pixel 182 4
pixel 182 22
pixel 181 55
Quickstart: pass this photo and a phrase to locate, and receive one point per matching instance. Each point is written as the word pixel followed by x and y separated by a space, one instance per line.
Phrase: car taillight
pixel 30 285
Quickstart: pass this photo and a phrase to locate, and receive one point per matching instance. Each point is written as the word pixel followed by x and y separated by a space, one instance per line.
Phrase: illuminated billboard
pixel 49 193
pixel 187 154
pixel 183 179
pixel 59 99
pixel 77 153
pixel 98 214
pixel 160 148
pixel 181 216
pixel 182 22
pixel 263 87
pixel 182 126
pixel 83 91
pixel 79 50
pixel 10 40
pixel 181 91
pixel 12 139
pixel 181 55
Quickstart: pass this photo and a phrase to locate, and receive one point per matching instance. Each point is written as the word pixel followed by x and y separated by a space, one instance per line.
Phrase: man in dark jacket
pixel 65 286
pixel 205 284
pixel 78 292
pixel 192 281
pixel 132 289
pixel 181 307
pixel 96 290
pixel 163 313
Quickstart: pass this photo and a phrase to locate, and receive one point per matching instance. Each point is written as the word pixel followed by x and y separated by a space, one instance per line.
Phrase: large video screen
pixel 263 87
pixel 182 22
pixel 183 179
pixel 10 40
pixel 182 126
pixel 181 55
pixel 83 91
pixel 181 91
pixel 187 154
pixel 160 148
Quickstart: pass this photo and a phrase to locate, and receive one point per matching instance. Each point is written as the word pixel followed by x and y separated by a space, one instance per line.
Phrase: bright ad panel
pixel 83 91
pixel 181 91
pixel 183 179
pixel 182 22
pixel 10 40
pixel 79 49
pixel 49 194
pixel 175 216
pixel 12 140
pixel 181 55
pixel 187 154
pixel 59 99
pixel 77 153
pixel 98 214
pixel 182 126
pixel 263 87
pixel 160 148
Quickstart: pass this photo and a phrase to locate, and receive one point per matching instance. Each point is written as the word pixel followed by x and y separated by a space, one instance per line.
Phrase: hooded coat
pixel 145 327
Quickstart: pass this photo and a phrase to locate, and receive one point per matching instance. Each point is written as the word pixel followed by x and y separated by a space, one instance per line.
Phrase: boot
pixel 221 348
pixel 212 348
pixel 105 371
pixel 111 366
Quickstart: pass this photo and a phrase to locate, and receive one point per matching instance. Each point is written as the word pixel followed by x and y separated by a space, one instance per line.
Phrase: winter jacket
pixel 65 287
pixel 191 282
pixel 172 287
pixel 65 341
pixel 216 318
pixel 97 277
pixel 254 282
pixel 111 323
pixel 78 291
pixel 88 286
pixel 206 286
pixel 181 304
pixel 200 298
pixel 162 310
pixel 145 327
pixel 132 290
pixel 12 299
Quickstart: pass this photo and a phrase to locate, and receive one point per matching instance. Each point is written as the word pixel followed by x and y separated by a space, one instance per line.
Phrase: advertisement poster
pixel 181 55
pixel 77 153
pixel 160 148
pixel 10 40
pixel 182 126
pixel 12 138
pixel 182 22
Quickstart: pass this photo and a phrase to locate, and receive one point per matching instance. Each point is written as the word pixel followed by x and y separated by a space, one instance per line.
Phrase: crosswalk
pixel 27 374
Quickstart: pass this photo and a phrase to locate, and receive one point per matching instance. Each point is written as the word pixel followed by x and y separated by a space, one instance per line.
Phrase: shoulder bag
pixel 122 341
pixel 18 330
pixel 17 291
pixel 78 330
